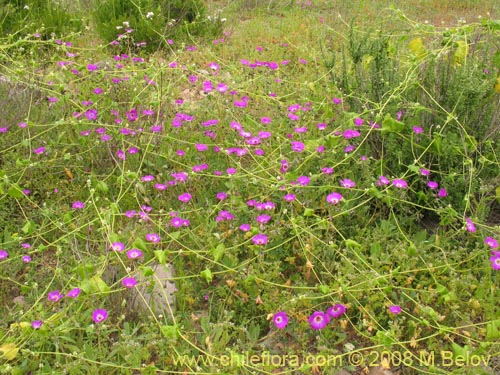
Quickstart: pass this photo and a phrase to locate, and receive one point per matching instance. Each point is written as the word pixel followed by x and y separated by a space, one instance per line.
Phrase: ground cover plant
pixel 322 187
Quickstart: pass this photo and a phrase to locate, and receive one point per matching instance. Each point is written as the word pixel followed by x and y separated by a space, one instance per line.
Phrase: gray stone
pixel 155 293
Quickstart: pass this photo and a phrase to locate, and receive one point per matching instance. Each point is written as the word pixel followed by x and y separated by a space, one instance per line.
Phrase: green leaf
pixel 352 243
pixel 324 289
pixel 161 256
pixel 94 285
pixel 497 193
pixel 308 212
pixel 391 125
pixel 29 227
pixel 218 252
pixel 417 47
pixel 140 244
pixel 493 330
pixel 15 191
pixel 170 332
pixel 207 275
pixel 461 52
pixel 102 186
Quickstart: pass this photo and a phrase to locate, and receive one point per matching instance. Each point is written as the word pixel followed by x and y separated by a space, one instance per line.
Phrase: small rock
pixel 380 371
pixel 156 292
pixel 19 300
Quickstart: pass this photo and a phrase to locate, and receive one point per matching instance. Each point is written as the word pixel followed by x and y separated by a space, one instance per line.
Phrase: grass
pixel 170 153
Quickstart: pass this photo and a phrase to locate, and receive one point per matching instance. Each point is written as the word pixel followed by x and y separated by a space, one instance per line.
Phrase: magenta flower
pixel 245 227
pixel 39 150
pixel 469 225
pixel 221 195
pixel 358 121
pixel 77 205
pixel 73 293
pixel 336 311
pixel 347 183
pixel 297 146
pixel 260 239
pixel 400 184
pixel 147 178
pixel 303 180
pixel 334 198
pixel 263 219
pixel 318 320
pixel 224 216
pixel 349 133
pixel 3 254
pixel 424 172
pixel 495 261
pixel 36 324
pixel 99 315
pixel 337 100
pixel 153 237
pixel 491 242
pixel 91 114
pixel 200 147
pixel 118 246
pixel 129 282
pixel 327 170
pixel 54 296
pixel 289 197
pixel 26 258
pixel 134 253
pixel 280 319
pixel 418 130
pixel 395 309
pixel 442 193
pixel 382 180
pixel 184 197
pixel 432 185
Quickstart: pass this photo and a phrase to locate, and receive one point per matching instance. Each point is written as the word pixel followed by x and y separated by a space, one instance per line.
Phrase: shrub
pixel 129 24
pixel 45 17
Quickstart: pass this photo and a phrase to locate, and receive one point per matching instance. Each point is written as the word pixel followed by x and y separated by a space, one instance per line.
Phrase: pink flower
pixel 117 246
pixel 336 310
pixel 289 197
pixel 395 309
pixel 54 296
pixel 491 242
pixel 347 183
pixel 334 198
pixel 260 239
pixel 432 185
pixel 134 253
pixel 495 261
pixel 99 315
pixel 297 146
pixel 77 205
pixel 442 193
pixel 184 197
pixel 73 293
pixel 129 282
pixel 318 320
pixel 153 237
pixel 400 184
pixel 280 319
pixel 469 225
pixel 245 227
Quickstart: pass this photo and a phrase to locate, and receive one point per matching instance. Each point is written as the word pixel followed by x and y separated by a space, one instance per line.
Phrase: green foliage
pixel 47 17
pixel 78 125
pixel 153 22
